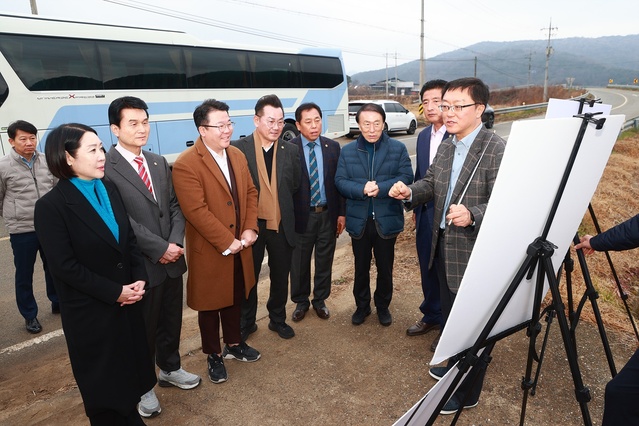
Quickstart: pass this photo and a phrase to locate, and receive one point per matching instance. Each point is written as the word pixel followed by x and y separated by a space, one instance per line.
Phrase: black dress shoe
pixel 433 346
pixel 247 331
pixel 299 313
pixel 384 316
pixel 33 326
pixel 360 315
pixel 322 312
pixel 282 329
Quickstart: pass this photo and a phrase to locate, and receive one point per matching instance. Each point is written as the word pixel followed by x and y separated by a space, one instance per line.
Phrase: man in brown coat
pixel 216 192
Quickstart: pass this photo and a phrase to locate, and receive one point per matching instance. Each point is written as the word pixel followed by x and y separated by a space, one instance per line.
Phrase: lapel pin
pixel 155 163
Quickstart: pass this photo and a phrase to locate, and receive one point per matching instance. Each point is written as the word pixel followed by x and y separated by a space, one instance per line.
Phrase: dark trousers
pixel 25 249
pixel 209 321
pixel 320 235
pixel 279 263
pixel 622 395
pixel 162 307
pixel 471 386
pixel 431 305
pixel 113 418
pixel 384 250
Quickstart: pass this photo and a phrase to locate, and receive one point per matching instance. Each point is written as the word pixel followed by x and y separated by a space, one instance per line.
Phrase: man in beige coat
pixel 219 201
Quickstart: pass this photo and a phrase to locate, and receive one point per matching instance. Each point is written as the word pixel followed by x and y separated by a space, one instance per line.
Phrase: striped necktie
pixel 143 173
pixel 313 175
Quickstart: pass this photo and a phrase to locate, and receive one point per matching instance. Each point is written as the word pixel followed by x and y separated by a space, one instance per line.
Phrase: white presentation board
pixel 561 108
pixel 534 161
pixel 536 156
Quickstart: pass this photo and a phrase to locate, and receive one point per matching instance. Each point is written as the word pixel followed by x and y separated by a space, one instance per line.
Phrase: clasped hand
pixel 131 293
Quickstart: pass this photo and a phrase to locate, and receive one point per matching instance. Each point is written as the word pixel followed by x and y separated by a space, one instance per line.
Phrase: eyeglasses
pixel 221 127
pixel 455 108
pixel 271 123
pixel 375 124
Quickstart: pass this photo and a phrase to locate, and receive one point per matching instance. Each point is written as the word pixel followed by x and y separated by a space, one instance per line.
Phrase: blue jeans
pixel 25 248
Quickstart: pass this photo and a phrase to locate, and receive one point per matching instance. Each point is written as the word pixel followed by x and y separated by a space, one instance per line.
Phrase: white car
pixel 398 118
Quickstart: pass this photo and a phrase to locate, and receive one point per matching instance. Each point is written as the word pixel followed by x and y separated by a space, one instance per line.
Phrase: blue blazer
pixel 426 211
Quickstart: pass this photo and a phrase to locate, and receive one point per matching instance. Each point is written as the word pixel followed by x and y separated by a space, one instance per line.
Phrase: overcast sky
pixel 366 30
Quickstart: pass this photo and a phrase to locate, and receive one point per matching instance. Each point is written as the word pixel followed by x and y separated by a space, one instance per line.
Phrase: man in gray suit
pixel 275 168
pixel 144 181
pixel 459 181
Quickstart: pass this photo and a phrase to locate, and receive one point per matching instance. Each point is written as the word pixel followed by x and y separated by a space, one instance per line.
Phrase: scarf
pixel 268 206
pixel 96 194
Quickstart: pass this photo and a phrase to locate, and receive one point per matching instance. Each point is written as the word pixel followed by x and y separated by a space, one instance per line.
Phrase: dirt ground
pixel 334 373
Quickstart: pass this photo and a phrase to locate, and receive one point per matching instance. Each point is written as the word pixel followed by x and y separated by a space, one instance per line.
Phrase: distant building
pixel 394 86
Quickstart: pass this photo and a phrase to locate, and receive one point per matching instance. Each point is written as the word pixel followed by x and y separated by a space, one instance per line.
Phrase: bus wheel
pixel 289 132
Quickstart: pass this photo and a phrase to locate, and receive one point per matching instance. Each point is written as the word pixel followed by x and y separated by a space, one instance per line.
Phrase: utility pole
pixel 395 73
pixel 34 7
pixel 549 51
pixel 529 66
pixel 475 75
pixel 422 64
pixel 387 74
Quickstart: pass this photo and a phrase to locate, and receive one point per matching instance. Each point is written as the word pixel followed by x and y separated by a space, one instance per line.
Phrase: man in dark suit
pixel 460 182
pixel 274 167
pixel 427 143
pixel 144 180
pixel 319 213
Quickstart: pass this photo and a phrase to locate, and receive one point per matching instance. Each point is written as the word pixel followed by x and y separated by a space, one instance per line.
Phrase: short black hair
pixel 430 85
pixel 305 107
pixel 371 107
pixel 477 89
pixel 25 126
pixel 268 100
pixel 64 138
pixel 125 102
pixel 201 113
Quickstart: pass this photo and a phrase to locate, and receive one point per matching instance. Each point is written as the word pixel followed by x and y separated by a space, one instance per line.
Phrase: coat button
pixel 119 266
pixel 228 203
pixel 232 225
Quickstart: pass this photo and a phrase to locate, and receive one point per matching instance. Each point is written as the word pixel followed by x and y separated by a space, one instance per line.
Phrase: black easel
pixel 538 257
pixel 622 294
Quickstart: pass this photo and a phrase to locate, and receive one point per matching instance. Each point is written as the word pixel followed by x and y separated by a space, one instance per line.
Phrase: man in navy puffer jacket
pixel 366 170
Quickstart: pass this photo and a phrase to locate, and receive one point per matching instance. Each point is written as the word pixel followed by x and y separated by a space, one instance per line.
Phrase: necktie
pixel 313 175
pixel 143 173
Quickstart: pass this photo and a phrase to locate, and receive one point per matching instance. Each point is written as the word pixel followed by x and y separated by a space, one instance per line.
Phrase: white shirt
pixel 130 158
pixel 436 138
pixel 223 163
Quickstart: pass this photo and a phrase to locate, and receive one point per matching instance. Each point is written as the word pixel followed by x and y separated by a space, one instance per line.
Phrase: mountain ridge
pixel 590 61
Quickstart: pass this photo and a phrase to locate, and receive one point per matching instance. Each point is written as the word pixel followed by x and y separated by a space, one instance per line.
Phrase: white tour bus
pixel 54 72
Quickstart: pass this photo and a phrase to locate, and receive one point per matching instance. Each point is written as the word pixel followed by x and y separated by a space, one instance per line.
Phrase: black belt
pixel 318 209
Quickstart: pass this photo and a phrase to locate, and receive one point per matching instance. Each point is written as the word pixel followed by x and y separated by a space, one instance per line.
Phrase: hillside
pixel 591 61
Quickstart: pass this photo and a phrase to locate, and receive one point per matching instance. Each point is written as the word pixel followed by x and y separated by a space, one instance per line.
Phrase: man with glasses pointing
pixel 459 181
pixel 274 166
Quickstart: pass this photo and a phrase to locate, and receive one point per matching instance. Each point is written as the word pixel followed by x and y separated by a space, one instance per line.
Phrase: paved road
pixel 15 340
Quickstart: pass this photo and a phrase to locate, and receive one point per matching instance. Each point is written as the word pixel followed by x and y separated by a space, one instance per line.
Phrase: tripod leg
pixel 622 293
pixel 593 296
pixel 582 393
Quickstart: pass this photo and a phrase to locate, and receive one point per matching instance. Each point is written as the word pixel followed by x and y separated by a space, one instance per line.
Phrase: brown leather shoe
pixel 420 328
pixel 299 314
pixel 322 312
pixel 433 345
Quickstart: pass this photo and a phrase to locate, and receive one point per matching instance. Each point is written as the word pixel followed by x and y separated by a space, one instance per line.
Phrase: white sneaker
pixel 180 378
pixel 149 405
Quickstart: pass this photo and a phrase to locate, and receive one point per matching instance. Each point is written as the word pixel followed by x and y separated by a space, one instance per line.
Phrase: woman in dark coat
pixel 99 276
